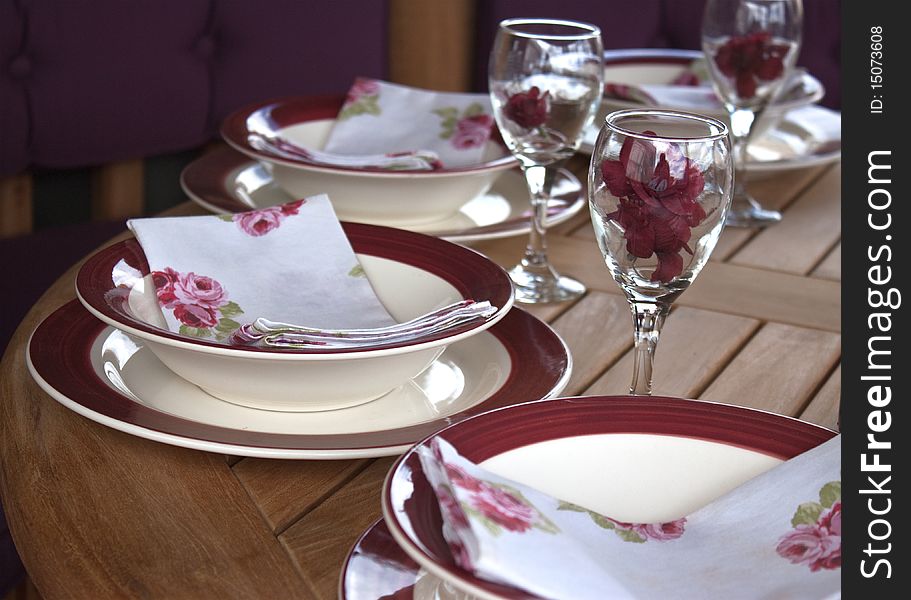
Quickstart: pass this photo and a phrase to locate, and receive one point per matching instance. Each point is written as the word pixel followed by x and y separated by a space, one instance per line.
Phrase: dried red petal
pixel 614 175
pixel 528 109
pixel 640 241
pixel 724 58
pixel 670 265
pixel 746 85
pixel 770 68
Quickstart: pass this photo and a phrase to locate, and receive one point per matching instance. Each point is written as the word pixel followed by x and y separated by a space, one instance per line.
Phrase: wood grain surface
pixel 97 513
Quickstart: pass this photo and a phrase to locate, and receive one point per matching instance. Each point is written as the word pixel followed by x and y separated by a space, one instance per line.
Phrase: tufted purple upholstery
pixel 93 81
pixel 666 24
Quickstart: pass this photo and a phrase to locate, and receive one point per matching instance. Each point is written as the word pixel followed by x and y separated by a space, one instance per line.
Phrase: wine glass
pixel 750 47
pixel 545 82
pixel 659 187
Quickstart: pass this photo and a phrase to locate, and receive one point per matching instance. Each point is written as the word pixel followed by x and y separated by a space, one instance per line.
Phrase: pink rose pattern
pixel 815 540
pixel 256 223
pixel 362 99
pixel 469 129
pixel 198 302
pixel 638 533
pixel 498 507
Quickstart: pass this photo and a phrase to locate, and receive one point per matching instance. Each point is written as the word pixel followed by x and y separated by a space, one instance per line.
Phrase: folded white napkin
pixel 776 536
pixel 420 160
pixel 383 118
pixel 689 96
pixel 692 90
pixel 290 264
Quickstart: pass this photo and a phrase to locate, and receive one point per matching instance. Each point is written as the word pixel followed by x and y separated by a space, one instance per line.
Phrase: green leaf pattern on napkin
pixel 637 533
pixel 450 117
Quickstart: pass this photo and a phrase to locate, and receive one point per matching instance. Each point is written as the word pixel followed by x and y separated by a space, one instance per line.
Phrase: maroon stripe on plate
pixel 471 273
pixel 60 350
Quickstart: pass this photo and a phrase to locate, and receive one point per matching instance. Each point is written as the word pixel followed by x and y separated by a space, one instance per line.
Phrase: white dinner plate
pixel 112 378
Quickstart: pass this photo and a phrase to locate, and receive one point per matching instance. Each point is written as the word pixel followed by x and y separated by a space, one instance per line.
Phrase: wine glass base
pixel 752 217
pixel 546 288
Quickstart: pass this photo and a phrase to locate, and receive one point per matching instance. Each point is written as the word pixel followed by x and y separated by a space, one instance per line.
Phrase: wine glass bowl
pixel 751 47
pixel 659 189
pixel 545 80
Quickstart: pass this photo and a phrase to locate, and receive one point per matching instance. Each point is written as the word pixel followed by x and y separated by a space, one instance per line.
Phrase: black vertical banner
pixel 876 122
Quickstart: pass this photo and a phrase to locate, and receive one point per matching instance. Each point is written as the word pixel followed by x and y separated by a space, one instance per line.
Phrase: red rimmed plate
pixel 112 378
pixel 225 181
pixel 671 456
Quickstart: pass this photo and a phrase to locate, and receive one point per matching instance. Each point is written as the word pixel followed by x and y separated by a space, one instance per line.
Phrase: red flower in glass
pixel 528 109
pixel 657 202
pixel 748 58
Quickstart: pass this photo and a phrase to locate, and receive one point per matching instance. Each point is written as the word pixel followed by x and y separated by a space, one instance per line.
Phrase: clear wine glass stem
pixel 648 318
pixel 540 180
pixel 742 120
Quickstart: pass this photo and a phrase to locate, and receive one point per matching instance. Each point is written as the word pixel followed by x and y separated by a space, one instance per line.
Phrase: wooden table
pixel 97 513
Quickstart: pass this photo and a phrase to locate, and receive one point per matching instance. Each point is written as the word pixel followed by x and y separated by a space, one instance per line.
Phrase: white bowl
pixel 662 66
pixel 395 198
pixel 411 273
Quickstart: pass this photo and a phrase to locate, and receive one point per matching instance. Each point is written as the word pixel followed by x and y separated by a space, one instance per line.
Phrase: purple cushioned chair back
pixel 666 24
pixel 84 83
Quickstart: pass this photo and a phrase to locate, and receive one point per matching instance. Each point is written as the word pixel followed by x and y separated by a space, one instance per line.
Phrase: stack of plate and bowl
pixel 470 203
pixel 793 133
pixel 111 357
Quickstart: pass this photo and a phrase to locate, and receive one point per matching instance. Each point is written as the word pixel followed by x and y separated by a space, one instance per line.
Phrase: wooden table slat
pixel 286 489
pixel 733 289
pixel 694 346
pixel 598 331
pixel 778 370
pixel 806 233
pixel 319 542
pixel 830 266
pixel 823 409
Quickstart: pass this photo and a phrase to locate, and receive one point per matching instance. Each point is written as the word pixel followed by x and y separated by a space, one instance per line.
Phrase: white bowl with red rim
pixel 638 459
pixel 395 198
pixel 662 66
pixel 411 273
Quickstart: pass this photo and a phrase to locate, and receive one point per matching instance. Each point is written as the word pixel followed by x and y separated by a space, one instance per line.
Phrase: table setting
pixel 342 293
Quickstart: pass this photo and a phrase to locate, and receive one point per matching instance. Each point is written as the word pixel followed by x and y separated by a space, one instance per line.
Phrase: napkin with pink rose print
pixel 291 263
pixel 382 118
pixel 776 536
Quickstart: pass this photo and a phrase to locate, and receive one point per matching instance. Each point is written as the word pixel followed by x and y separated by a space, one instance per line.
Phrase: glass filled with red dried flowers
pixel 751 47
pixel 659 188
